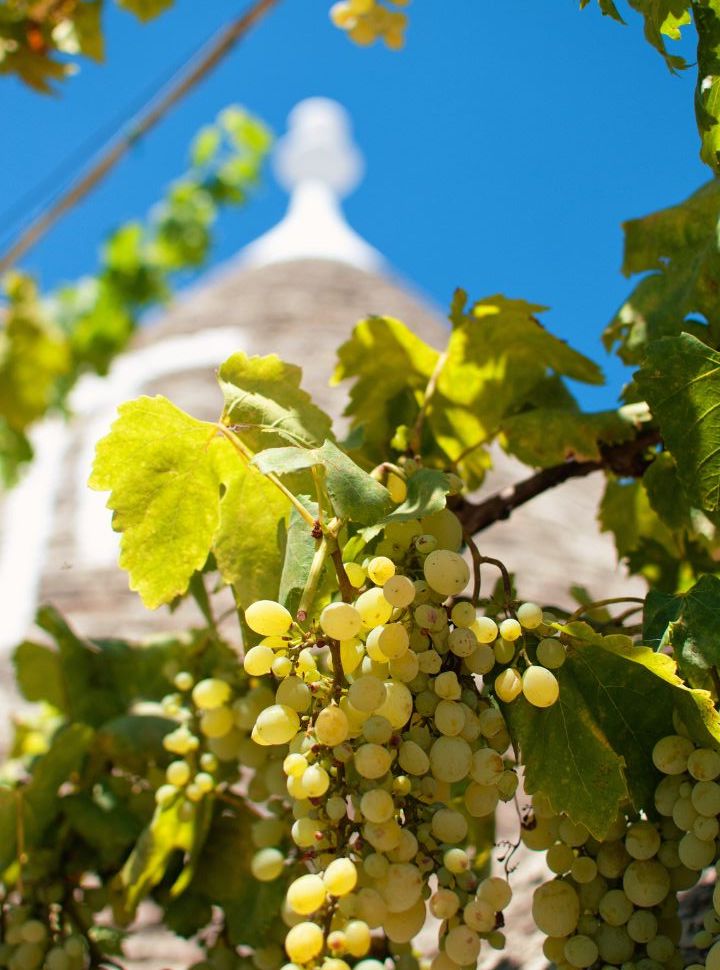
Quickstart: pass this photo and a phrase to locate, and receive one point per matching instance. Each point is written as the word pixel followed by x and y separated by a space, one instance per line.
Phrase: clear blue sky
pixel 504 146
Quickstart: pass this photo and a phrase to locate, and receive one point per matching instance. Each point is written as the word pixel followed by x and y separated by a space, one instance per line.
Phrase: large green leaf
pixel 163 472
pixel 38 802
pixel 354 494
pixel 391 368
pixel 707 91
pixel 497 356
pixel 250 907
pixel 681 382
pixel 592 749
pixel 678 248
pixel 265 403
pixel 547 436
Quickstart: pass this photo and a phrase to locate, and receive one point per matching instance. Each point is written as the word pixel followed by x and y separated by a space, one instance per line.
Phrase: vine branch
pixel 628 460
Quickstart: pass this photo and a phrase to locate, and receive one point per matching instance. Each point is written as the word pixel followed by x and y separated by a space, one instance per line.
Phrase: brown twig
pixel 345 586
pixel 589 607
pixel 628 460
pixel 337 665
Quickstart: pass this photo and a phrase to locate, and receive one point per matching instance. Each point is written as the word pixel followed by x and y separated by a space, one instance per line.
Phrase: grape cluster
pixel 390 746
pixel 35 941
pixel 614 902
pixel 366 21
pixel 688 797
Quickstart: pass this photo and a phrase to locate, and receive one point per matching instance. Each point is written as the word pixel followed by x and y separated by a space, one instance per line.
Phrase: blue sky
pixel 504 146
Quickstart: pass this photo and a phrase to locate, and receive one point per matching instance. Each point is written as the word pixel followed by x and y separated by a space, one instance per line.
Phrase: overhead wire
pixel 208 56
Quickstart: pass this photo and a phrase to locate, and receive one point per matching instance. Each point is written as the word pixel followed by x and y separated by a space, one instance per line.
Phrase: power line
pixel 207 58
pixel 51 185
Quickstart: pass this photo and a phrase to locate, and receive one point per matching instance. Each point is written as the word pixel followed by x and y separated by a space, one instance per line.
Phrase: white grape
pixel 268 618
pixel 539 686
pixel 341 621
pixel 556 908
pixel 447 572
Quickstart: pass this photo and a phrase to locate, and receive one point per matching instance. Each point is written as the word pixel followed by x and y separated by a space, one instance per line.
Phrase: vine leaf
pixel 354 494
pixel 250 907
pixel 248 542
pixel 707 91
pixel 39 800
pixel 677 248
pixel 681 382
pixel 498 357
pixel 593 748
pixel 548 436
pixel 691 627
pixel 162 470
pixel 426 491
pixel 300 549
pixel 169 831
pixel 391 368
pixel 264 400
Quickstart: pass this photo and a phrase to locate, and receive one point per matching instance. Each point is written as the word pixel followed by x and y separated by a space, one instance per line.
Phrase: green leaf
pixel 625 511
pixel 250 906
pixel 205 145
pixel 665 492
pixel 33 356
pixel 678 246
pixel 567 755
pixel 707 91
pixel 546 436
pixel 354 494
pixel 169 833
pixel 660 610
pixel 164 473
pixel 693 630
pixel 300 549
pixel 390 368
pixel 593 748
pixel 681 382
pixel 110 832
pixel 38 674
pixel 248 542
pixel 426 491
pixel 39 800
pixel 266 406
pixel 497 356
pixel 135 741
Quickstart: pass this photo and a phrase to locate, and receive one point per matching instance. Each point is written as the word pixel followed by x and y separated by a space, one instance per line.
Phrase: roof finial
pixel 318 147
pixel 319 164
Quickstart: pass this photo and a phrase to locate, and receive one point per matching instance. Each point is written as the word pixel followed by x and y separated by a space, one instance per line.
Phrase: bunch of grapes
pixel 614 902
pixel 688 798
pixel 33 939
pixel 366 21
pixel 390 746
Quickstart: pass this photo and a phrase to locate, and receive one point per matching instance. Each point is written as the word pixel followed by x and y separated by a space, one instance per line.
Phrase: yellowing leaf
pixel 391 368
pixel 162 470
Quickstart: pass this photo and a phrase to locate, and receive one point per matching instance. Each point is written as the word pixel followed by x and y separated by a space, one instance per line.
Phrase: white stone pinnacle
pixel 318 163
